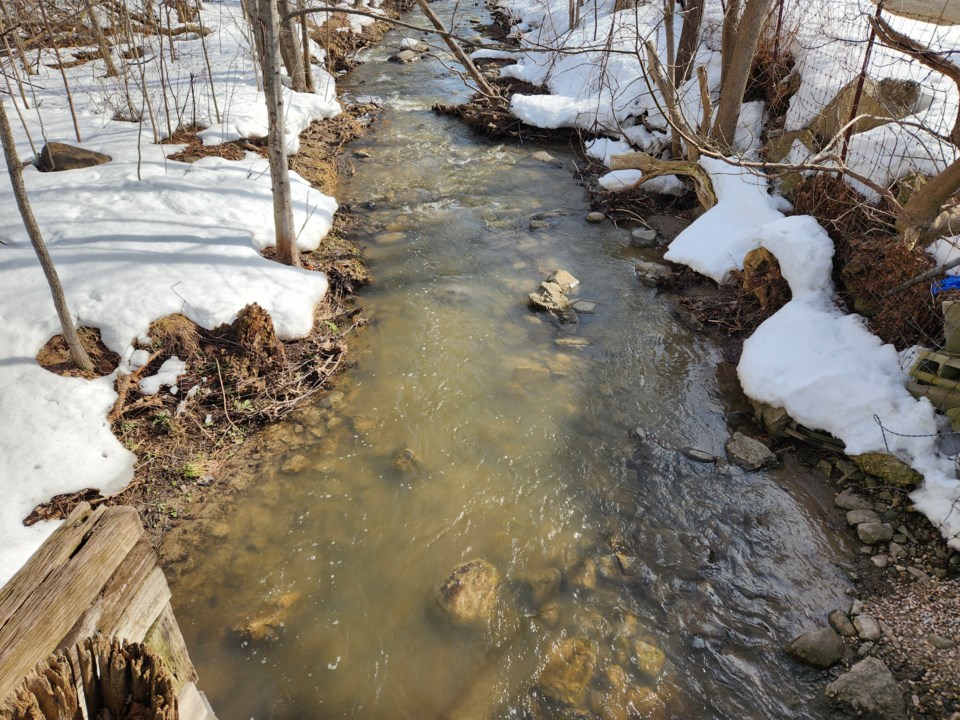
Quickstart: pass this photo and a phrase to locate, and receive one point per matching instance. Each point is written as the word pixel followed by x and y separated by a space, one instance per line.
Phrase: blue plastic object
pixel 951 282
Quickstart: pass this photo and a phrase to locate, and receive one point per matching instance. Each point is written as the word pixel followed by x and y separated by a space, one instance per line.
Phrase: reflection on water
pixel 635 582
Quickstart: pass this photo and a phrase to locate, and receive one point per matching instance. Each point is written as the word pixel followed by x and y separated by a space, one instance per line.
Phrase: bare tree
pixel 268 31
pixel 77 353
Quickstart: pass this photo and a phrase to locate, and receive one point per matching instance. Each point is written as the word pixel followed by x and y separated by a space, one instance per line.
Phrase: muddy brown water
pixel 312 598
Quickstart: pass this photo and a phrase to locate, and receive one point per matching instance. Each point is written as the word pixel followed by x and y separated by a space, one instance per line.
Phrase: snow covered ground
pixel 822 365
pixel 134 240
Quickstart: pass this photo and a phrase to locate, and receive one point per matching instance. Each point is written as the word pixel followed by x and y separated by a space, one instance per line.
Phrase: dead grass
pixel 870 260
pixel 55 356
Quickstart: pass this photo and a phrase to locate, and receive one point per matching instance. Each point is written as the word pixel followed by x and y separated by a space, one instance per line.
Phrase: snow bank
pixel 133 240
pixel 823 366
pixel 714 245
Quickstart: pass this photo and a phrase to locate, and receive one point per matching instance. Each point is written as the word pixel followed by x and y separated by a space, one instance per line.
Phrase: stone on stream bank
pixel 818 648
pixel 651 273
pixel 749 454
pixel 643 237
pixel 868 691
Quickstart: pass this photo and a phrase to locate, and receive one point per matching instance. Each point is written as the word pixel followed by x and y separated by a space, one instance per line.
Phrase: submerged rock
pixel 468 597
pixel 868 691
pixel 649 659
pixel 405 460
pixel 568 670
pixel 542 586
pixel 585 307
pixel 819 648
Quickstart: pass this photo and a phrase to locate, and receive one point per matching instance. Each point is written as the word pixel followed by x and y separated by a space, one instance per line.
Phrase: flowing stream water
pixel 312 598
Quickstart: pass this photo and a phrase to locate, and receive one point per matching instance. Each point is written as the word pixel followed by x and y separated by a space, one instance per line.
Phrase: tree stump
pixel 97 679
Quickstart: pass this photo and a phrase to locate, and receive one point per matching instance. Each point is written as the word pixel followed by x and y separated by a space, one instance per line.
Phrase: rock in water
pixel 595 217
pixel 869 691
pixel 649 659
pixel 748 453
pixel 405 56
pixel 543 585
pixel 643 237
pixel 469 595
pixel 568 670
pixel 651 273
pixel 550 297
pixel 56 156
pixel 565 280
pixel 819 648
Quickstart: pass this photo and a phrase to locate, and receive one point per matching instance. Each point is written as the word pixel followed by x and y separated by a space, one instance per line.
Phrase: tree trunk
pixel 737 70
pixel 276 141
pixel 728 42
pixel 77 353
pixel 305 37
pixel 689 40
pixel 926 203
pixel 290 48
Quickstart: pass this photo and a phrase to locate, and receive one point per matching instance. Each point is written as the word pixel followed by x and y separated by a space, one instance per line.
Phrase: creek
pixel 524 453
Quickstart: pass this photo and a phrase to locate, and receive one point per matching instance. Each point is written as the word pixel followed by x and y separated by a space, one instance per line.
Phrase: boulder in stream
pixel 468 597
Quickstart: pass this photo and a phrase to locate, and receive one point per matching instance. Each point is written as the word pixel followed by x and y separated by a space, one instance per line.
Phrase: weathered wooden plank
pixel 143 609
pixel 117 593
pixel 38 620
pixel 194 704
pixel 56 551
pixel 167 641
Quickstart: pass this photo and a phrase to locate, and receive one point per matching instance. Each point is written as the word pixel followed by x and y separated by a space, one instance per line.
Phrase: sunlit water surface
pixel 524 454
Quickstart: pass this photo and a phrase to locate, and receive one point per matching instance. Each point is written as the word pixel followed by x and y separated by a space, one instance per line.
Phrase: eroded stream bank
pixel 473 428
